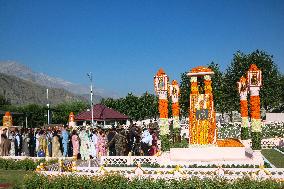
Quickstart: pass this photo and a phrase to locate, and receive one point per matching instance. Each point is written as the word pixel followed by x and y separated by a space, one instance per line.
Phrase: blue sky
pixel 124 43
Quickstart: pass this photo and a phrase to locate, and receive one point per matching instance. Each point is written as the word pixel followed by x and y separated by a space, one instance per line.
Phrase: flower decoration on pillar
pixel 254 78
pixel 174 93
pixel 202 122
pixel 71 120
pixel 243 91
pixel 7 120
pixel 161 88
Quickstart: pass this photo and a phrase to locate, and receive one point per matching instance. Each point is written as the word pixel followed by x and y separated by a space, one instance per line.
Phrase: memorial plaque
pixel 202 114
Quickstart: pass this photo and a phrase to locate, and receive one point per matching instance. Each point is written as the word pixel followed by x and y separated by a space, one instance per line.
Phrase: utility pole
pixel 47 106
pixel 91 80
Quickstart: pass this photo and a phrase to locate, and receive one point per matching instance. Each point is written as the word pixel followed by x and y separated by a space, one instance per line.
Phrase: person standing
pixel 65 141
pixel 120 142
pixel 92 144
pixel 5 145
pixel 75 144
pixel 32 143
pixel 84 148
pixel 56 146
pixel 26 141
pixel 146 142
pixel 18 143
pixel 12 141
pixel 111 147
pixel 42 148
pixel 37 135
pixel 49 143
pixel 102 143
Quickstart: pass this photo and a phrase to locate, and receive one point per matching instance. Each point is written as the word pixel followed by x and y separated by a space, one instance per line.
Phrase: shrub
pixel 117 181
pixel 25 164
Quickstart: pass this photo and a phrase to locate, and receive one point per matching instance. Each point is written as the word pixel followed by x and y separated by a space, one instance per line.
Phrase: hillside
pixel 20 91
pixel 23 72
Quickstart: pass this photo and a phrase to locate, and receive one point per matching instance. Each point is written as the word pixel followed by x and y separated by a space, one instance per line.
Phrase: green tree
pixel 184 94
pixel 35 115
pixel 137 108
pixel 217 87
pixel 270 91
pixel 60 113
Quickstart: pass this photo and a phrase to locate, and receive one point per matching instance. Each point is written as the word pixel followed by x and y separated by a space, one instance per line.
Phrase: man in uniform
pixel 119 141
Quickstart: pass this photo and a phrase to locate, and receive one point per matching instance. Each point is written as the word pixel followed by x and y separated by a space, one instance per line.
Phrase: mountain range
pixel 21 85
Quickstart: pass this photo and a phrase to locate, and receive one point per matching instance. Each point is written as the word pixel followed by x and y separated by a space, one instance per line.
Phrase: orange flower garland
pixel 202 131
pixel 207 87
pixel 229 143
pixel 175 109
pixel 163 108
pixel 255 107
pixel 7 119
pixel 244 108
pixel 200 69
pixel 212 124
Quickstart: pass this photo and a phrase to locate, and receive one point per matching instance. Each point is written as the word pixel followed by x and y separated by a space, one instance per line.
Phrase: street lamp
pixel 48 122
pixel 91 80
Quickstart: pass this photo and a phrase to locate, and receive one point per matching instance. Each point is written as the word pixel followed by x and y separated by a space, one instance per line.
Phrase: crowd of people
pixel 82 143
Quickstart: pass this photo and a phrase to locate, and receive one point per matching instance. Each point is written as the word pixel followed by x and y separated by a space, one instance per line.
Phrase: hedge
pixel 116 181
pixel 25 164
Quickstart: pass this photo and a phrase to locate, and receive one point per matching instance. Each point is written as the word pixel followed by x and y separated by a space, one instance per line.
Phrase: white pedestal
pixel 207 153
pixel 257 157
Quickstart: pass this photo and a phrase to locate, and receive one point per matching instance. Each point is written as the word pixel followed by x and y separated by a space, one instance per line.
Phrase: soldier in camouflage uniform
pixel 119 141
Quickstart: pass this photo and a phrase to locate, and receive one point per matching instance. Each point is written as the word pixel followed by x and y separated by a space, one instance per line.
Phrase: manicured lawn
pixel 276 158
pixel 12 177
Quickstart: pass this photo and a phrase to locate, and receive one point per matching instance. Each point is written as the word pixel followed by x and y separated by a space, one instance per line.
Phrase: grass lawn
pixel 276 158
pixel 12 177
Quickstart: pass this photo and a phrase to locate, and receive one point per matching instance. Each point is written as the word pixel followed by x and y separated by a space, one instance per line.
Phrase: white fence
pixel 177 173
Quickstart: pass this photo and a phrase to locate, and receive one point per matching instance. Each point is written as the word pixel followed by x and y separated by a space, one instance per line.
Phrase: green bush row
pixel 25 164
pixel 116 181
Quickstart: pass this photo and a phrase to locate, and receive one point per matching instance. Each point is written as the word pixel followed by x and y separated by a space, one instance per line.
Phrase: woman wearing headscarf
pixel 56 152
pixel 26 141
pixel 84 148
pixel 101 144
pixel 75 144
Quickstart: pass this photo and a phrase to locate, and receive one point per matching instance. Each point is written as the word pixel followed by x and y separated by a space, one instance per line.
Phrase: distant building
pixel 103 116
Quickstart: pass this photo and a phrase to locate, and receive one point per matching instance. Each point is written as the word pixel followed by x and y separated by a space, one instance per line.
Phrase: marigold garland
pixel 255 107
pixel 175 109
pixel 244 108
pixel 229 143
pixel 163 108
pixel 200 69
